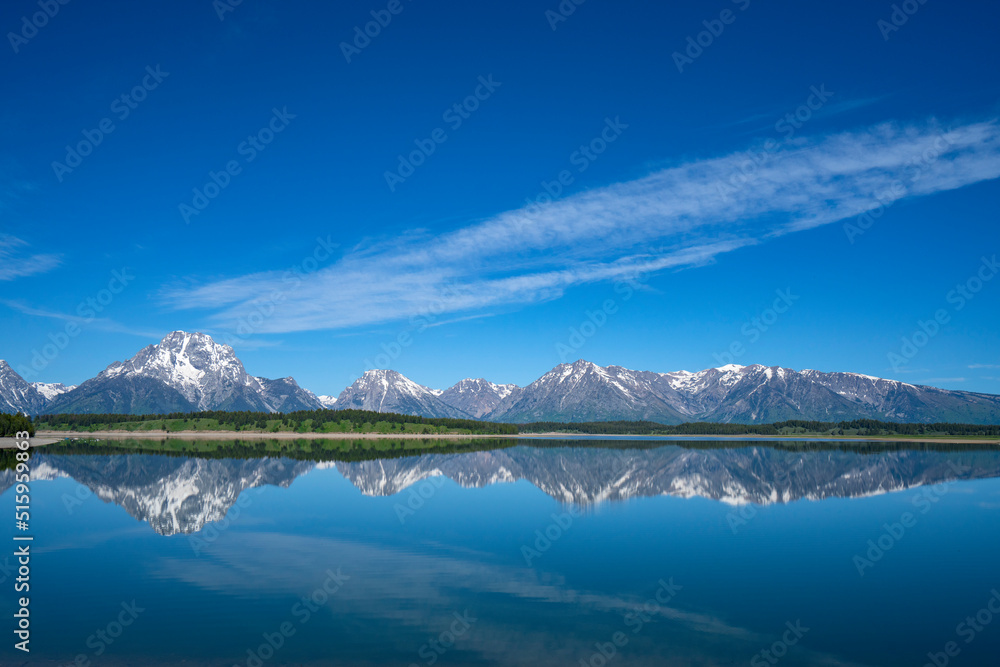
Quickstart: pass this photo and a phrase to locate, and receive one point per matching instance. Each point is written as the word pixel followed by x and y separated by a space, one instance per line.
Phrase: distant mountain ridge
pixel 187 372
pixel 584 391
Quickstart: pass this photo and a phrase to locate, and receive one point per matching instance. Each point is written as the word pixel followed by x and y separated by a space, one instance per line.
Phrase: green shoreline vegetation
pixel 11 425
pixel 356 449
pixel 360 422
pixel 312 421
pixel 855 428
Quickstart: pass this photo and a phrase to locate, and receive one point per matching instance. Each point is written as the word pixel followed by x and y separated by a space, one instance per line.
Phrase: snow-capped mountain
pixel 285 395
pixel 181 495
pixel 184 372
pixel 16 394
pixel 390 391
pixel 583 391
pixel 52 389
pixel 477 397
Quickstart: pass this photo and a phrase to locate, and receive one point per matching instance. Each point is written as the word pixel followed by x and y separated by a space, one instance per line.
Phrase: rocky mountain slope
pixel 389 391
pixel 478 397
pixel 17 395
pixel 184 372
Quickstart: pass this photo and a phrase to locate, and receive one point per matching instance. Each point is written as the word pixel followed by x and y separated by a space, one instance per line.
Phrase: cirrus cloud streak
pixel 678 217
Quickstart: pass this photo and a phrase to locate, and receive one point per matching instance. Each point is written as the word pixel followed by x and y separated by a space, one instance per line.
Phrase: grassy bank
pixel 314 421
pixel 359 422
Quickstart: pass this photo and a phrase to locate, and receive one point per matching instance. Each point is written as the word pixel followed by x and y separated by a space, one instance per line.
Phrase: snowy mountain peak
pixel 472 385
pixel 385 390
pixel 192 363
pixel 577 369
pixel 477 397
pixel 731 368
pixel 52 389
pixel 183 372
pixel 385 379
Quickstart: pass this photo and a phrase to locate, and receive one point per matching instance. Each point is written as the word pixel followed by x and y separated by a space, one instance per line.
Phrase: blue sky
pixel 251 186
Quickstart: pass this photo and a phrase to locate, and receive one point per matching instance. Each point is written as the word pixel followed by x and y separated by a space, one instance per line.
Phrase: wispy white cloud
pixel 17 262
pixel 989 366
pixel 774 116
pixel 97 323
pixel 673 218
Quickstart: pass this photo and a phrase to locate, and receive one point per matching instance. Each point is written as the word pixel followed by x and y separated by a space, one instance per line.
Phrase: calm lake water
pixel 515 553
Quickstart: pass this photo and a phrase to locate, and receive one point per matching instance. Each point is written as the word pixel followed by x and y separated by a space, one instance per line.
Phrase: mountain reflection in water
pixel 182 494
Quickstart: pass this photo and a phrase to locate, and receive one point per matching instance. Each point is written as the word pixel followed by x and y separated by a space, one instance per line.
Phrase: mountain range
pixel 187 372
pixel 181 495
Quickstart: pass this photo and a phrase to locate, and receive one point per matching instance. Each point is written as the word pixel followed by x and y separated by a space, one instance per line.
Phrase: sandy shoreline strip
pixel 37 441
pixel 48 437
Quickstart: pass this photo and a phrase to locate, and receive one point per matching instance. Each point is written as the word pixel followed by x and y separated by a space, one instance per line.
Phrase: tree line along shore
pixel 366 422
